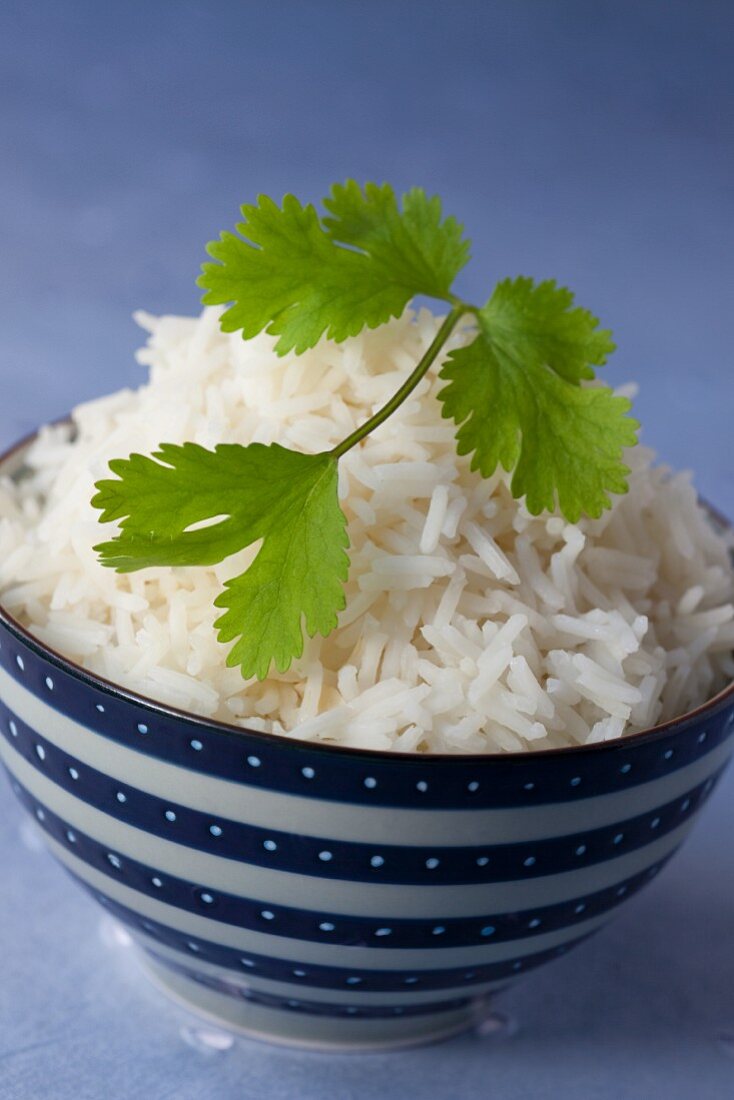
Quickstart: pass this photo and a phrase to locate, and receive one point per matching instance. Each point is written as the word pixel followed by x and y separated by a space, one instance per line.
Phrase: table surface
pixel 590 142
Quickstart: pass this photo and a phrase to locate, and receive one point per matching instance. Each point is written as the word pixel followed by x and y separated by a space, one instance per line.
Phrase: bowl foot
pixel 295 1026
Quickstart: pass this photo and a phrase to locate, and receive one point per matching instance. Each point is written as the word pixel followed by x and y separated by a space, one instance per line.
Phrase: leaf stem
pixel 448 326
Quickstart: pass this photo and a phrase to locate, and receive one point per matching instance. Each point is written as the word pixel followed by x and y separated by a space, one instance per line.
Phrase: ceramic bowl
pixel 333 897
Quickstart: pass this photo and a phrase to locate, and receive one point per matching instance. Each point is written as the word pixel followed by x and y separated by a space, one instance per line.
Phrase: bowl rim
pixel 78 672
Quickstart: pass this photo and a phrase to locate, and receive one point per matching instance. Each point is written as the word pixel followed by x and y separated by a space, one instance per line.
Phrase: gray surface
pixel 591 142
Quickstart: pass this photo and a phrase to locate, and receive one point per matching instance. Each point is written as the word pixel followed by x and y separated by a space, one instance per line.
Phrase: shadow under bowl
pixel 332 897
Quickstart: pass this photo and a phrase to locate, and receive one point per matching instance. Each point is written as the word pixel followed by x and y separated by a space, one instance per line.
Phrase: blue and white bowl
pixel 336 897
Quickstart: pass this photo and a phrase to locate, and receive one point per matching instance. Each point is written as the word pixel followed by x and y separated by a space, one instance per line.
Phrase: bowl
pixel 333 897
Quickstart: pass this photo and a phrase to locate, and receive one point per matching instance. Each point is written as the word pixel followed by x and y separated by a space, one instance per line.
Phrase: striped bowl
pixel 334 897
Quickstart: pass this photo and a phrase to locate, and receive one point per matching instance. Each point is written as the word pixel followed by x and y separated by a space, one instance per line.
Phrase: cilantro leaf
pixel 288 278
pixel 414 246
pixel 283 497
pixel 535 323
pixel 515 394
pixel 158 498
pixel 290 275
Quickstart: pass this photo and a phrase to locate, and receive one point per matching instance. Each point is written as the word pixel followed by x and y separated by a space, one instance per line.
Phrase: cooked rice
pixel 470 626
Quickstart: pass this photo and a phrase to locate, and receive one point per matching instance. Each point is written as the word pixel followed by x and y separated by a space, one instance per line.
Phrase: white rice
pixel 471 626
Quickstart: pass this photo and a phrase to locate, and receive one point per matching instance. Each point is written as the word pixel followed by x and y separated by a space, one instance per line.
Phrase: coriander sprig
pixel 515 393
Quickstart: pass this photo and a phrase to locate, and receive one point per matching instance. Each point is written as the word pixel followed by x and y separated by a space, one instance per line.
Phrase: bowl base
pixel 292 1027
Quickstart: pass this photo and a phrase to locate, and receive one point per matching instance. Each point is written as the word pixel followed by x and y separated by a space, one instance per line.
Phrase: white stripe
pixel 353 995
pixel 308 951
pixel 311 816
pixel 339 896
pixel 316 1032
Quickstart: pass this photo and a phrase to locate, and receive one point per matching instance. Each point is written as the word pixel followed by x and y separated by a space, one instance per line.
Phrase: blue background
pixel 591 142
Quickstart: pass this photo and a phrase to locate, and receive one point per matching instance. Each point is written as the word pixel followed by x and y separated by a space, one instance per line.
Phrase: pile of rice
pixel 470 626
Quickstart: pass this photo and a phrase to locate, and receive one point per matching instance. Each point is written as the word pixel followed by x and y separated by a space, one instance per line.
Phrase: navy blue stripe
pixel 309 1008
pixel 327 927
pixel 343 860
pixel 326 977
pixel 362 778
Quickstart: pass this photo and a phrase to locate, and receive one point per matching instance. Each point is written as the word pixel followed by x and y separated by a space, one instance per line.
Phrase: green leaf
pixel 287 499
pixel 290 275
pixel 536 323
pixel 515 394
pixel 414 246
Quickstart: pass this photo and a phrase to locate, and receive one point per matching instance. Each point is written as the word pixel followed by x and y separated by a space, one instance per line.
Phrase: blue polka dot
pixel 432 863
pixel 622 890
pixel 575 781
pixel 170 815
pixel 702 737
pixel 534 923
pixel 70 836
pixel 142 728
pixel 327 926
pixel 248 963
pixel 207 898
pixel 529 862
pixel 299 973
pixel 267 914
pixel 580 908
pixel 215 830
pixel 114 860
pixel 410 981
pixel 668 754
pixel 20 663
pixel 197 746
pixel 270 846
pixel 99 707
pixel 654 823
pixel 581 849
pixel 488 930
pixel 625 769
pixel 121 797
pixel 517 965
pixel 254 761
pixel 40 814
pixel 40 752
pixel 13 728
pixel 482 861
pixel 685 805
pixel 529 787
pixel 193 946
pixel 370 783
pixel 438 930
pixel 308 773
pixel 354 981
pixel 49 683
pixel 156 882
pixel 376 861
pixel 383 931
pixel 618 838
pixel 421 786
pixel 473 786
pixel 325 857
